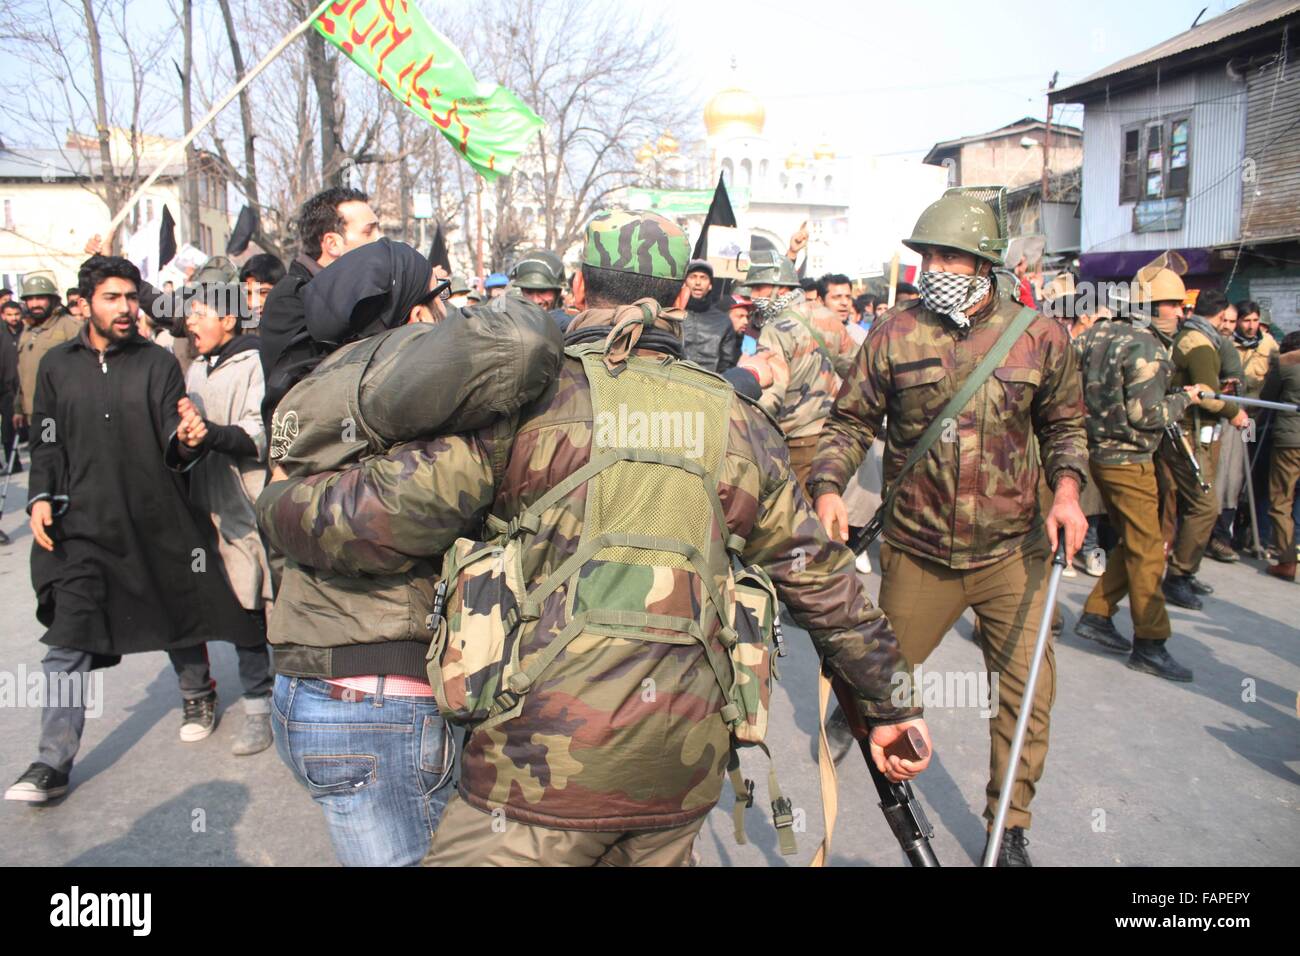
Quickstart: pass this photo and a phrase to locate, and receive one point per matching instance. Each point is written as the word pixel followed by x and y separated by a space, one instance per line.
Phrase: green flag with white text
pixel 391 40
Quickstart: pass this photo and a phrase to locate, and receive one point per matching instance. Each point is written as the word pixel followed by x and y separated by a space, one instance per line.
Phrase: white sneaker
pixel 198 718
pixel 863 563
pixel 1096 562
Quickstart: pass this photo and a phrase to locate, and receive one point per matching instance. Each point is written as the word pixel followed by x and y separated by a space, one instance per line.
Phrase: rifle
pixel 1175 433
pixel 9 470
pixel 898 802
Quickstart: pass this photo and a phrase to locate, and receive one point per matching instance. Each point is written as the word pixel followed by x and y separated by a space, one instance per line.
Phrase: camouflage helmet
pixel 540 269
pixel 459 285
pixel 39 283
pixel 771 268
pixel 644 243
pixel 970 219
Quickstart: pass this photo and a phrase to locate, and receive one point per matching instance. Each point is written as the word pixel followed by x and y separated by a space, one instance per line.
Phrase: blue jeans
pixel 378 766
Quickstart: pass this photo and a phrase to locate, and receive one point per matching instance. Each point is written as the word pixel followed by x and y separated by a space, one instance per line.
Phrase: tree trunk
pixel 192 173
pixel 322 76
pixel 246 122
pixel 112 191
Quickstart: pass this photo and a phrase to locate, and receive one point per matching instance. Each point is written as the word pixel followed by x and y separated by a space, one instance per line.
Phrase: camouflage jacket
pixel 588 750
pixel 973 499
pixel 803 381
pixel 830 334
pixel 1125 380
pixel 1197 361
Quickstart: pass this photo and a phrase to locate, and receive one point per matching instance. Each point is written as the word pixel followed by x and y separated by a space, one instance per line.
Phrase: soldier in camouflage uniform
pixel 1126 374
pixel 590 769
pixel 966 529
pixel 804 382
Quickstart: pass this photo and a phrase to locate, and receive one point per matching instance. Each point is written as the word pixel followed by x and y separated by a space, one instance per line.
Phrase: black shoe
pixel 1220 550
pixel 1178 590
pixel 1012 850
pixel 1094 627
pixel 1151 657
pixel 198 717
pixel 838 736
pixel 1199 586
pixel 39 784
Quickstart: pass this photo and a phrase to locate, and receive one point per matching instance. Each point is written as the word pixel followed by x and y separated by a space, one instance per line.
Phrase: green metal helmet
pixel 971 219
pixel 459 285
pixel 218 269
pixel 641 242
pixel 771 268
pixel 39 283
pixel 541 269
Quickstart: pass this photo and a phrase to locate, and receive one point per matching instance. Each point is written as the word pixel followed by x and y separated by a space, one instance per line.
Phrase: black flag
pixel 720 214
pixel 438 250
pixel 166 238
pixel 242 235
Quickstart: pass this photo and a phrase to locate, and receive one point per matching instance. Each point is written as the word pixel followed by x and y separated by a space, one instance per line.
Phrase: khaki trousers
pixel 469 837
pixel 923 600
pixel 1196 510
pixel 1283 473
pixel 1135 565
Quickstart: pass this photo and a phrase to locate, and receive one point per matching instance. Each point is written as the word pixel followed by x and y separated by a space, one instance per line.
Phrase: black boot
pixel 1151 657
pixel 1199 586
pixel 838 736
pixel 1178 590
pixel 1012 851
pixel 1094 627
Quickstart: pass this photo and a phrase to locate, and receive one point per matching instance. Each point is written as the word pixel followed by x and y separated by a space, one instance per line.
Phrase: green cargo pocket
pixel 476 630
pixel 753 657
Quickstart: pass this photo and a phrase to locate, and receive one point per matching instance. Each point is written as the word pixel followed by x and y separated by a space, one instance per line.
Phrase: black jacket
pixel 709 340
pixel 288 351
pixel 135 565
pixel 8 363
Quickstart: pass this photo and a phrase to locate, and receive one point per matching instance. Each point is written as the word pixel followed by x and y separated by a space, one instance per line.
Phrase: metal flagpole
pixel 179 146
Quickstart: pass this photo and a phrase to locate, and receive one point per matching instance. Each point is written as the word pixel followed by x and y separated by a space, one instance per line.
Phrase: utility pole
pixel 1047 146
pixel 478 225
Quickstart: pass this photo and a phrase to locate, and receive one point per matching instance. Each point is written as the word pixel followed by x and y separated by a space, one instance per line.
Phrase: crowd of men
pixel 432 518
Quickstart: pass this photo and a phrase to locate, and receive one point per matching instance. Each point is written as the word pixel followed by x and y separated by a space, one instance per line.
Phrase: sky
pixel 897 77
pixel 873 78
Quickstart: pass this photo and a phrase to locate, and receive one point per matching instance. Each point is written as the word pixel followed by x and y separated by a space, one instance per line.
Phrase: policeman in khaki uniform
pixel 609 742
pixel 1126 372
pixel 804 382
pixel 966 530
pixel 1194 345
pixel 49 325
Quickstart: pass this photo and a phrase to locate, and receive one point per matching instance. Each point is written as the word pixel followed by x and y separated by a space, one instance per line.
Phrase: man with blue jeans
pixel 376 764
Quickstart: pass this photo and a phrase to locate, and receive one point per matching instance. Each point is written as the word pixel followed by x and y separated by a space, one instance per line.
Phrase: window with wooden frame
pixel 1156 160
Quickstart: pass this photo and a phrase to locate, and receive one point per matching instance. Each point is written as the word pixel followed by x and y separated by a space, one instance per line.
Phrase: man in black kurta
pixel 121 560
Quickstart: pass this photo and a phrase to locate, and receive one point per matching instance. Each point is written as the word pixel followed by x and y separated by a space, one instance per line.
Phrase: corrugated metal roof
pixel 1019 126
pixel 1250 15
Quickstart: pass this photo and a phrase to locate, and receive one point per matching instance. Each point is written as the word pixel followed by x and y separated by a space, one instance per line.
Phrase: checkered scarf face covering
pixel 951 295
pixel 768 309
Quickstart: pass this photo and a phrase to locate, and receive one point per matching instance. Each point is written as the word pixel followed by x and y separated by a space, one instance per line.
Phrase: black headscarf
pixel 368 290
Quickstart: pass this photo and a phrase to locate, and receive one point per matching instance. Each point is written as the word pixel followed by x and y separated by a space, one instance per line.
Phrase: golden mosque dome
pixel 645 153
pixel 795 161
pixel 823 151
pixel 666 145
pixel 734 111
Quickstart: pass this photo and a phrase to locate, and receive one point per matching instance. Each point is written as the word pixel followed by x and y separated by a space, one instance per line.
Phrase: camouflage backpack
pixel 652 505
